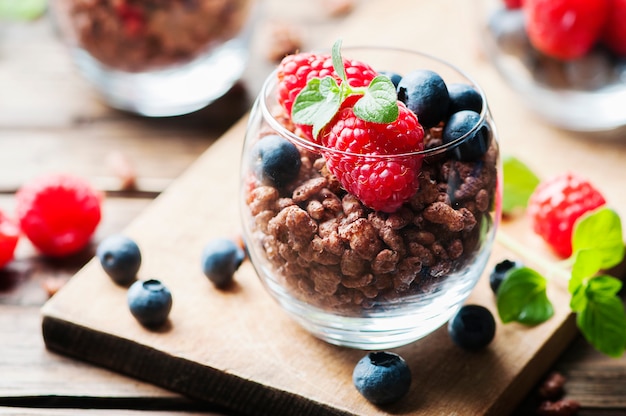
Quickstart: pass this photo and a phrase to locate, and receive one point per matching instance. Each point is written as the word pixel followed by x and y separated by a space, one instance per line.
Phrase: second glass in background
pixel 156 57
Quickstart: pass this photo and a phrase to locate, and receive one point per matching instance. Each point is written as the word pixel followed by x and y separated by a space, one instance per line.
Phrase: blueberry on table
pixel 472 328
pixel 276 160
pixel 221 257
pixel 425 93
pixel 500 271
pixel 382 377
pixel 477 137
pixel 150 302
pixel 464 97
pixel 120 258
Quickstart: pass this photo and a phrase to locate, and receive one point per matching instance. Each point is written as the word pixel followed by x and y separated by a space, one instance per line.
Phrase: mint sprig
pixel 598 245
pixel 519 184
pixel 522 297
pixel 321 98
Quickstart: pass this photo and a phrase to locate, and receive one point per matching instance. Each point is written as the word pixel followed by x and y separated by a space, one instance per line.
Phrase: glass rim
pixel 271 82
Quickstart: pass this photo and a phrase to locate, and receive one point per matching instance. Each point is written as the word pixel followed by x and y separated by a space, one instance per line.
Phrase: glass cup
pixel 155 57
pixel 362 278
pixel 587 94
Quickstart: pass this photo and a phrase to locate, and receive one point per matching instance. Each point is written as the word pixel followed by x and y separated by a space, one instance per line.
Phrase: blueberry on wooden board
pixel 120 258
pixel 382 377
pixel 150 302
pixel 500 271
pixel 221 257
pixel 472 328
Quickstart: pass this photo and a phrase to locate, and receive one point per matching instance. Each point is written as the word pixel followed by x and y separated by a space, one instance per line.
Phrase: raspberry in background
pixel 556 204
pixel 9 236
pixel 565 29
pixel 614 34
pixel 58 213
pixel 294 71
pixel 513 4
pixel 383 184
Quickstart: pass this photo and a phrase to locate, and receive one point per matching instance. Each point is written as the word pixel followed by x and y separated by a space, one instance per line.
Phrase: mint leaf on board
pixel 522 298
pixel 602 321
pixel 519 184
pixel 317 103
pixel 600 229
pixel 380 102
pixel 598 245
pixel 587 263
pixel 22 9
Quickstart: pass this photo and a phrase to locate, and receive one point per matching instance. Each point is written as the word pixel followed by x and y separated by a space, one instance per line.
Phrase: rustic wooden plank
pixel 20 411
pixel 155 148
pixel 508 129
pixel 24 281
pixel 220 352
pixel 592 378
pixel 24 355
pixel 319 376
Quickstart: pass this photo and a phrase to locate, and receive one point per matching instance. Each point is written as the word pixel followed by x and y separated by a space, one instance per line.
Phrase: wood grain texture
pixel 238 349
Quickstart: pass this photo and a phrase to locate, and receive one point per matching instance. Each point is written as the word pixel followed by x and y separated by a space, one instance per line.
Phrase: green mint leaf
pixel 603 286
pixel 380 102
pixel 317 103
pixel 22 9
pixel 603 321
pixel 338 60
pixel 578 302
pixel 519 184
pixel 522 297
pixel 600 230
pixel 587 263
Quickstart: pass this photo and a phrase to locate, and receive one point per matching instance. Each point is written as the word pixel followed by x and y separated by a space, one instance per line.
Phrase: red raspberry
pixel 58 213
pixel 131 17
pixel 614 35
pixel 9 235
pixel 513 4
pixel 556 204
pixel 295 71
pixel 565 29
pixel 382 183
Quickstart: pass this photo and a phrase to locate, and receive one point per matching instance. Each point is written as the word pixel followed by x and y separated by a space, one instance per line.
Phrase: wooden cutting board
pixel 239 350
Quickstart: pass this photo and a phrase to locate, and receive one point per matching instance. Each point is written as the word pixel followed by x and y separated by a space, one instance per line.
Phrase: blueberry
pixel 477 141
pixel 472 328
pixel 382 377
pixel 120 258
pixel 464 97
pixel 393 76
pixel 150 302
pixel 276 160
pixel 425 93
pixel 221 257
pixel 500 271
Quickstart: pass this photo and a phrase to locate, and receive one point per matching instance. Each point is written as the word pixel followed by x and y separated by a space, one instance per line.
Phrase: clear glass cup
pixel 587 94
pixel 357 277
pixel 156 57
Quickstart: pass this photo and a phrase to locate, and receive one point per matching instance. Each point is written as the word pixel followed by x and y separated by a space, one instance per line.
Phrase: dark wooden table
pixel 50 120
